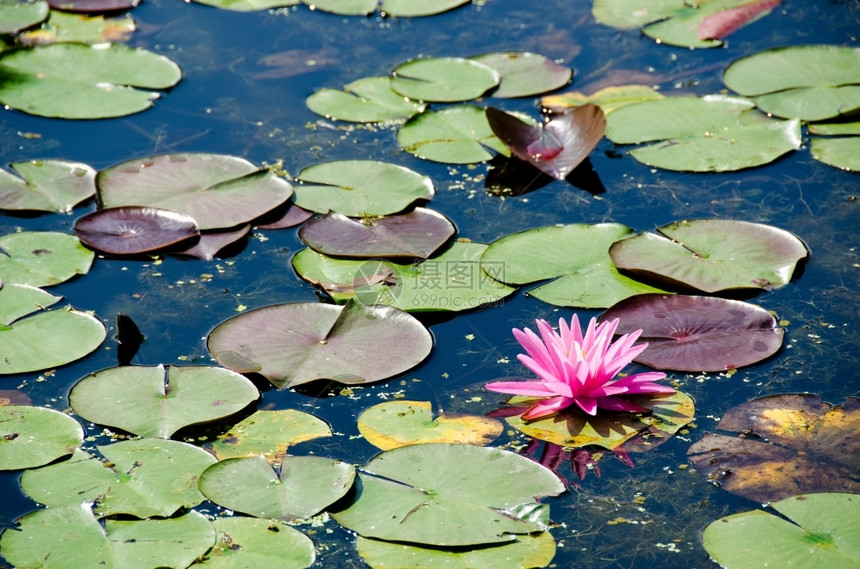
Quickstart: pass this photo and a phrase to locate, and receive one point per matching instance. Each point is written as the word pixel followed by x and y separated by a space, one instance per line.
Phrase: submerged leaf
pixel 784 445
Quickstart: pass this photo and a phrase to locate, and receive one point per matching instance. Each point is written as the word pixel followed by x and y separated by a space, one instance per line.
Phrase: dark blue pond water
pixel 231 101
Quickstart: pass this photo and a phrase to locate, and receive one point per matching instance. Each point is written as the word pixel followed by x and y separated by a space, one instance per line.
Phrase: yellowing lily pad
pixel 572 428
pixel 395 424
pixel 269 433
pixel 786 445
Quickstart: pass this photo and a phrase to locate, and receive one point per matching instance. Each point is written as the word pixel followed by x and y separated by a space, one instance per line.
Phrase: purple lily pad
pixel 296 343
pixel 697 333
pixel 212 242
pixel 557 147
pixel 415 234
pixel 294 215
pixel 712 254
pixel 92 6
pixel 132 230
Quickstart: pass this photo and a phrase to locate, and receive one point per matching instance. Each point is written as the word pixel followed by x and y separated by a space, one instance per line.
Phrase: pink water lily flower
pixel 580 369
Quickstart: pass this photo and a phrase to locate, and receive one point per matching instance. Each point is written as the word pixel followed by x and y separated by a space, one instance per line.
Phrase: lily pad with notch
pixel 525 551
pixel 268 433
pixel 525 74
pixel 447 495
pixel 295 343
pixel 714 133
pixel 251 542
pixel 455 135
pixel 357 188
pixel 573 429
pixel 820 529
pixel 141 478
pixel 782 445
pixel 713 255
pixel 217 190
pixel 366 100
pixel 675 22
pixel 608 98
pixel 34 436
pixel 72 537
pixel 396 8
pixel 76 81
pixel 298 488
pixel 42 258
pixel 807 82
pixel 452 280
pixel 46 185
pixel 556 147
pixel 16 16
pixel 394 424
pixel 582 276
pixel 132 230
pixel 838 144
pixel 416 234
pixel 443 79
pixel 70 27
pixel 698 333
pixel 143 401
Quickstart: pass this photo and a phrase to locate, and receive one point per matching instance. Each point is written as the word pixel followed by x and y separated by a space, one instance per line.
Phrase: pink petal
pixel 546 408
pixel 724 22
pixel 530 388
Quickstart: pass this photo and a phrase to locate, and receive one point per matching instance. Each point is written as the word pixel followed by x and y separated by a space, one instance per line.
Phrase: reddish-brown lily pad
pixel 697 333
pixel 416 234
pixel 557 147
pixel 133 230
pixel 212 242
pixel 92 6
pixel 783 445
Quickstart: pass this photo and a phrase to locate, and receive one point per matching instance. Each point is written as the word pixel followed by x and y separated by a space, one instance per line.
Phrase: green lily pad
pixel 71 537
pixel 46 185
pixel 583 276
pixel 455 135
pixel 712 255
pixel 447 495
pixel 248 5
pixel 393 424
pixel 76 81
pixel 840 149
pixel 269 433
pixel 358 188
pixel 79 28
pixel 443 79
pixel 782 445
pixel 296 343
pixel 672 22
pixel 48 339
pixel 573 429
pixel 811 82
pixel 416 234
pixel 525 551
pixel 33 436
pixel 17 301
pixel 302 487
pixel 714 133
pixel 365 100
pixel 249 542
pixel 397 8
pixel 142 478
pixel 217 190
pixel 42 258
pixel 16 16
pixel 453 280
pixel 524 74
pixel 812 530
pixel 137 399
